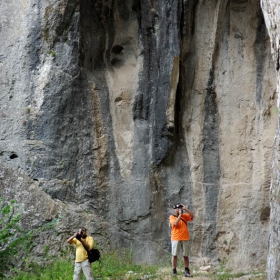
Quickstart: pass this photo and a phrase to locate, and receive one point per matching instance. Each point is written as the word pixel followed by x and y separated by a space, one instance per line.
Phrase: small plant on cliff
pixel 52 53
pixel 28 110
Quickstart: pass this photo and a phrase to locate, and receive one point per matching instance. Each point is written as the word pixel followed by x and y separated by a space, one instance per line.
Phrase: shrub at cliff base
pixel 14 242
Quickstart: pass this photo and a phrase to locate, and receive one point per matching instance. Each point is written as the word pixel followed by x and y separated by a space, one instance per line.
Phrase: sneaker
pixel 174 272
pixel 187 273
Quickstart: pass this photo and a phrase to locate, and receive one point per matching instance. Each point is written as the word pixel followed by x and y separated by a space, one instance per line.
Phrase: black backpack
pixel 93 255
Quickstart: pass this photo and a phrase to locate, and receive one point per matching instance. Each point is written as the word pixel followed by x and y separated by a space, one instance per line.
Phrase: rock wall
pixel 114 110
pixel 229 125
pixel 271 14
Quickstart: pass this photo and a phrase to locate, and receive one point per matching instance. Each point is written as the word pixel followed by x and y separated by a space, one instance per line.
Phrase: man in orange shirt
pixel 180 236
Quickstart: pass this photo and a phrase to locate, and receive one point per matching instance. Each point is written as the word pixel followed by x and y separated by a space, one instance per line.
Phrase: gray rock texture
pixel 271 10
pixel 112 111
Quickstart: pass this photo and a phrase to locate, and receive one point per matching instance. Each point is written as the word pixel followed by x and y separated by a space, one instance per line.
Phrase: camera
pixel 79 235
pixel 178 206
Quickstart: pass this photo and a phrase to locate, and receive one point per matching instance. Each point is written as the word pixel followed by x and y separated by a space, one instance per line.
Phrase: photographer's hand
pixel 188 211
pixel 69 240
pixel 179 217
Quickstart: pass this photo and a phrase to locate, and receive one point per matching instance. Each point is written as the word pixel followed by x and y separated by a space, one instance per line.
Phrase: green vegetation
pixel 15 243
pixel 58 270
pixel 28 110
pixel 52 53
pixel 12 238
pixel 114 267
pixel 110 267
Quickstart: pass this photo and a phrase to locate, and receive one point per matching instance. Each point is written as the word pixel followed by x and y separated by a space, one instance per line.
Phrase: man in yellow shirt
pixel 180 236
pixel 82 241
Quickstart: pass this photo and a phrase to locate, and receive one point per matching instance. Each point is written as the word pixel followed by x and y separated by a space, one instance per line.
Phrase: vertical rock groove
pixel 211 166
pixel 260 48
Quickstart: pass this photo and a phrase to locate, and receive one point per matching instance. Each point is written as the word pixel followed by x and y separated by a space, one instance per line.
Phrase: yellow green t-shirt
pixel 81 253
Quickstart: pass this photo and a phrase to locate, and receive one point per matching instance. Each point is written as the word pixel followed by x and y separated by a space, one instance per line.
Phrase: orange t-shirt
pixel 181 231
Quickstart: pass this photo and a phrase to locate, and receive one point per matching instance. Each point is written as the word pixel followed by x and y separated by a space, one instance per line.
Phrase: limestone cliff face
pixel 271 14
pixel 111 111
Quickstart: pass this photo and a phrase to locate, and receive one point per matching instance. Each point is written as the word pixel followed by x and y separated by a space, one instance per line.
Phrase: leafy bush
pixel 12 238
pixel 15 243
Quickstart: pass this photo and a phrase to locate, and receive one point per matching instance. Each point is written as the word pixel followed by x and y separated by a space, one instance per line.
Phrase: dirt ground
pixel 196 277
pixel 166 275
pixel 181 277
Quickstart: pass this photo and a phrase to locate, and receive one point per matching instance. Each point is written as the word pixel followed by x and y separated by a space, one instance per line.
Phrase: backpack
pixel 93 255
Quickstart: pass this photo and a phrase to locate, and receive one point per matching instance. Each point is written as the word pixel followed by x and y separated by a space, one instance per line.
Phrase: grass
pixel 60 269
pixel 110 267
pixel 114 267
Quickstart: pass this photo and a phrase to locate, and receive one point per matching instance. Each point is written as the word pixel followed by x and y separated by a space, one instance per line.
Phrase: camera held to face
pixel 178 206
pixel 78 236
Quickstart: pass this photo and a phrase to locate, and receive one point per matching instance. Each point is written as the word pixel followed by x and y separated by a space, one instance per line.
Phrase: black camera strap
pixel 182 220
pixel 85 246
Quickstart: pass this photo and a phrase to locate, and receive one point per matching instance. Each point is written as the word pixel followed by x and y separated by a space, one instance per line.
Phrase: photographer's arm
pixel 69 240
pixel 188 211
pixel 85 244
pixel 178 218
